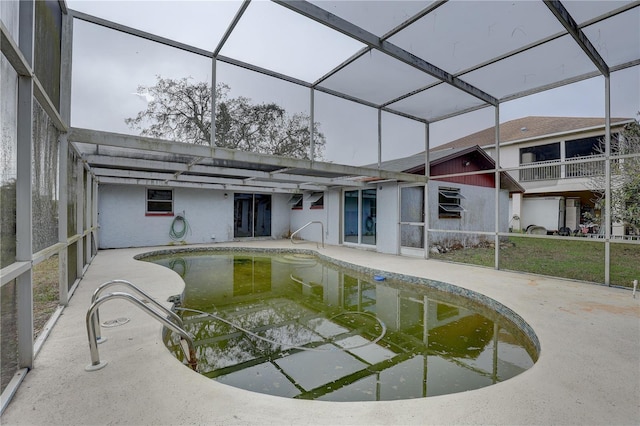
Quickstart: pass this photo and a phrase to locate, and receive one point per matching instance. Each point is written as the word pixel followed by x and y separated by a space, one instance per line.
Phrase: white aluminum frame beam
pixel 167 177
pixel 567 21
pixel 22 66
pixel 164 146
pixel 347 28
pixel 160 183
pixel 209 172
pixel 24 222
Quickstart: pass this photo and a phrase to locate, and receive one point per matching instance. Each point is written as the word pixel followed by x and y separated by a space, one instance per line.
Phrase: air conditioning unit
pixel 528 157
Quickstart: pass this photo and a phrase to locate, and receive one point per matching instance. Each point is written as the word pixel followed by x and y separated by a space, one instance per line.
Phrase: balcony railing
pixel 578 167
pixel 544 170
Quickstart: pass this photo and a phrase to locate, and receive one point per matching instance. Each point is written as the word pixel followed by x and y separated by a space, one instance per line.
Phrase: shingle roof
pixel 535 127
pixel 413 161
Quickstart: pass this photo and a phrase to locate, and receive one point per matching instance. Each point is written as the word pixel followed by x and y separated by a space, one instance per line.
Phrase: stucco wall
pixel 329 216
pixel 388 218
pixel 479 206
pixel 123 223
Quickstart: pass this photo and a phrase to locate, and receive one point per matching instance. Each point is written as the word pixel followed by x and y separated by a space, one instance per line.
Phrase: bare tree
pixel 181 110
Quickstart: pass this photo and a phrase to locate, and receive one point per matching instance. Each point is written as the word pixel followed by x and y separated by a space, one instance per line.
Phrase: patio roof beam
pixel 178 184
pixel 567 21
pixel 330 20
pixel 113 163
pixel 164 146
pixel 169 179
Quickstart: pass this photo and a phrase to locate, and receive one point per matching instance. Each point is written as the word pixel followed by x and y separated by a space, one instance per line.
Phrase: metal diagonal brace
pixel 561 13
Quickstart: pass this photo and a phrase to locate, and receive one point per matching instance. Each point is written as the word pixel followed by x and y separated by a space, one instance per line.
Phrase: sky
pixel 108 67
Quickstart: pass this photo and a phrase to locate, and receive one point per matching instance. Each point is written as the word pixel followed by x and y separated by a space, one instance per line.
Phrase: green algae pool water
pixel 293 325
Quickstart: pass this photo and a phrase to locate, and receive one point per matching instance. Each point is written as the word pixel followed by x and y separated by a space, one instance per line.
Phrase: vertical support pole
pixel 427 174
pixel 94 217
pixel 63 272
pixel 496 330
pixel 379 138
pixel 312 112
pixel 607 177
pixel 497 190
pixel 24 225
pixel 87 216
pixel 79 215
pixel 425 342
pixel 66 57
pixel 66 48
pixel 214 78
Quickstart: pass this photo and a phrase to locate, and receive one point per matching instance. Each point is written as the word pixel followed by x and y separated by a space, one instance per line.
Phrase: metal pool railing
pixel 310 223
pixel 92 325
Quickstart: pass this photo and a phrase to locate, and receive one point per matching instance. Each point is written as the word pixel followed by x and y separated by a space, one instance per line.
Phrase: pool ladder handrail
pixel 96 364
pixel 310 223
pixel 137 290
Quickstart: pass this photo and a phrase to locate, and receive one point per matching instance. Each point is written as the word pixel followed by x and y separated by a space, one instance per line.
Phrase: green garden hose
pixel 181 231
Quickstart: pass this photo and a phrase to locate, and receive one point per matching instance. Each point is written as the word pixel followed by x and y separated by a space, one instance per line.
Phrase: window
pixel 449 203
pixel 160 202
pixel 296 202
pixel 317 200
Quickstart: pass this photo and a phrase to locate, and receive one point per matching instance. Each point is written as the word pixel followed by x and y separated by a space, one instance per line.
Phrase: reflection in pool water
pixel 294 326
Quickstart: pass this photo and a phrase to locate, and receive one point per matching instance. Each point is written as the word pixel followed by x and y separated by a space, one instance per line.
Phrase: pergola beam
pixel 197 185
pixel 179 148
pixel 113 163
pixel 168 178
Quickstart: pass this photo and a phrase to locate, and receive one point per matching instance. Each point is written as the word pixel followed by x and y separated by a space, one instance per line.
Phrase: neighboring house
pixel 558 177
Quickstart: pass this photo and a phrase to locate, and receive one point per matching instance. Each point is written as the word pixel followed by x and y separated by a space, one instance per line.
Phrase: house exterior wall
pixel 478 216
pixel 123 222
pixel 301 217
pixel 463 164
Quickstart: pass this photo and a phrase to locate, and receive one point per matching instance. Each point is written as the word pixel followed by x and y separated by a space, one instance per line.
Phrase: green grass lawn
pixel 45 292
pixel 576 259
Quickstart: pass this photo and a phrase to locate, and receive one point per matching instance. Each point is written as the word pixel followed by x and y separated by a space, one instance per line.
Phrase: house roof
pixel 413 162
pixel 535 126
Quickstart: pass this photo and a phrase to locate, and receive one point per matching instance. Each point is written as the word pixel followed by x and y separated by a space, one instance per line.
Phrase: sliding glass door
pixel 252 215
pixel 359 216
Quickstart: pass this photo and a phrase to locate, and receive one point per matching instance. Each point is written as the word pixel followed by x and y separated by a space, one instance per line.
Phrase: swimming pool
pixel 300 325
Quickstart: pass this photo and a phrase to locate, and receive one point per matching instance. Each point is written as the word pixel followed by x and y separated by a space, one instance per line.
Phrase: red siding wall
pixel 458 165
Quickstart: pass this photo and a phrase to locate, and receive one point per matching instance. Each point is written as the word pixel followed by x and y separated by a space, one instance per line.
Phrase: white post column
pixel 427 174
pixel 24 226
pixel 312 111
pixel 607 175
pixel 66 42
pixel 497 190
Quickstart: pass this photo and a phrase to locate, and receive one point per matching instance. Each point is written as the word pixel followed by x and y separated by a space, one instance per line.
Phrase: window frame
pixel 449 203
pixel 295 202
pixel 149 199
pixel 317 200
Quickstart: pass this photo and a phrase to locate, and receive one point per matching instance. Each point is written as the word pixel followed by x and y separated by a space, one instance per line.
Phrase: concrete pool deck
pixel 588 371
